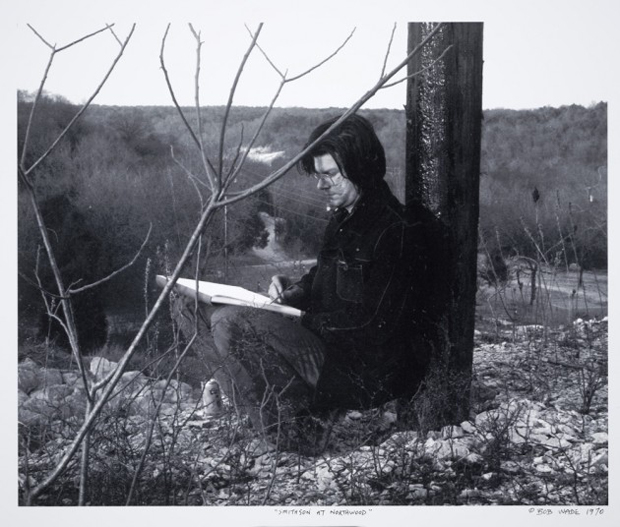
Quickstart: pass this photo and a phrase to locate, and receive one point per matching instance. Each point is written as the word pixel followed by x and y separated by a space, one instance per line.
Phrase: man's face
pixel 339 190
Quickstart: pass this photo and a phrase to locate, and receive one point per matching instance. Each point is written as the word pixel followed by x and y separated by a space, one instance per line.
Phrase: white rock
pixel 28 373
pixel 71 378
pixel 325 479
pixel 55 394
pixel 389 418
pixel 468 427
pixel 100 367
pixel 601 458
pixel 517 436
pixel 418 492
pixel 22 397
pixel 430 445
pixel 469 493
pixel 132 382
pixel 586 450
pixel 452 432
pixel 450 449
pixel 509 466
pixel 600 438
pixel 51 376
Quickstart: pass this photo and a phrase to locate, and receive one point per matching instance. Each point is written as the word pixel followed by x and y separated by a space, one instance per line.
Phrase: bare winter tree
pixel 214 184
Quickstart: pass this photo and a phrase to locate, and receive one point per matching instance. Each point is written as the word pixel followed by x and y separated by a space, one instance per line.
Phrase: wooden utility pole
pixel 444 119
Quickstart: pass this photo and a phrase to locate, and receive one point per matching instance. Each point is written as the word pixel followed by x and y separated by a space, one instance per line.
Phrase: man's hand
pixel 278 286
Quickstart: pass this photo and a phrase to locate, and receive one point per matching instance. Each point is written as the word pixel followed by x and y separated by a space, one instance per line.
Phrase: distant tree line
pixel 543 188
pixel 122 169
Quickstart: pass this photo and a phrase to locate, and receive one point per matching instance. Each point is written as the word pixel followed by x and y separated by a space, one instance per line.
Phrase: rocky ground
pixel 537 434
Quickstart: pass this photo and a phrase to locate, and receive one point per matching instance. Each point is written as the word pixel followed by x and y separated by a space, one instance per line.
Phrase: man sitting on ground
pixel 356 344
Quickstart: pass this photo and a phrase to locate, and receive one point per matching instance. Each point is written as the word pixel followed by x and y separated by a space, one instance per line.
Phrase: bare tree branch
pixel 38 286
pixel 324 60
pixel 231 177
pixel 173 96
pixel 283 75
pixel 149 434
pixel 419 72
pixel 215 201
pixel 192 177
pixel 387 53
pixel 66 304
pixel 110 27
pixel 67 46
pixel 122 364
pixel 356 106
pixel 265 54
pixel 211 177
pixel 193 180
pixel 237 153
pixel 35 103
pixel 114 273
pixel 42 39
pixel 231 95
pixel 62 134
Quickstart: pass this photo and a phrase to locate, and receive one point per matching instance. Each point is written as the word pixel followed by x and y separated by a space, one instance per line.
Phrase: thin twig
pixel 356 106
pixel 66 303
pixel 232 175
pixel 122 364
pixel 419 72
pixel 149 434
pixel 35 104
pixel 84 463
pixel 192 177
pixel 82 39
pixel 194 181
pixel 42 39
pixel 387 53
pixel 80 112
pixel 40 287
pixel 291 79
pixel 174 98
pixel 114 273
pixel 203 155
pixel 171 90
pixel 110 27
pixel 238 151
pixel 265 54
pixel 231 95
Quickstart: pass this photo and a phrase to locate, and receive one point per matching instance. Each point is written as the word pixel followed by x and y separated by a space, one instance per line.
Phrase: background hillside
pixel 543 189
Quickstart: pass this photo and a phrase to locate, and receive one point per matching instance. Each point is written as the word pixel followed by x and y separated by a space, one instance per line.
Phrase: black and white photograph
pixel 335 263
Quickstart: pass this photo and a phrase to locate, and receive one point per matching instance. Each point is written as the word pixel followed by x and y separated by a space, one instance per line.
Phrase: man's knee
pixel 228 319
pixel 186 313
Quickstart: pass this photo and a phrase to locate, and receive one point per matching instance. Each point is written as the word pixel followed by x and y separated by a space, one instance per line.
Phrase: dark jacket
pixel 359 300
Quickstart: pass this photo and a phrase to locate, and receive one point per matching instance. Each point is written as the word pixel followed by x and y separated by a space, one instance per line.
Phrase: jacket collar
pixel 367 208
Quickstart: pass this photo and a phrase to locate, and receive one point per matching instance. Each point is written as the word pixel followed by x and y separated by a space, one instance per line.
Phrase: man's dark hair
pixel 355 147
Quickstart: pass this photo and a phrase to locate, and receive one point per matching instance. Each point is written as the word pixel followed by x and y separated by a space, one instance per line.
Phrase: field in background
pixel 559 300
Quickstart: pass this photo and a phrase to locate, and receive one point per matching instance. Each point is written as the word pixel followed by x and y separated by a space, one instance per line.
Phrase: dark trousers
pixel 265 363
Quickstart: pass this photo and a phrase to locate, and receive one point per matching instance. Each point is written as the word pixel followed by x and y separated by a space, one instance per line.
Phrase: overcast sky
pixel 543 53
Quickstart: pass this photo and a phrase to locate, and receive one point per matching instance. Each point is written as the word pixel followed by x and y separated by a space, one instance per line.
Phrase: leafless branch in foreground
pixel 218 199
